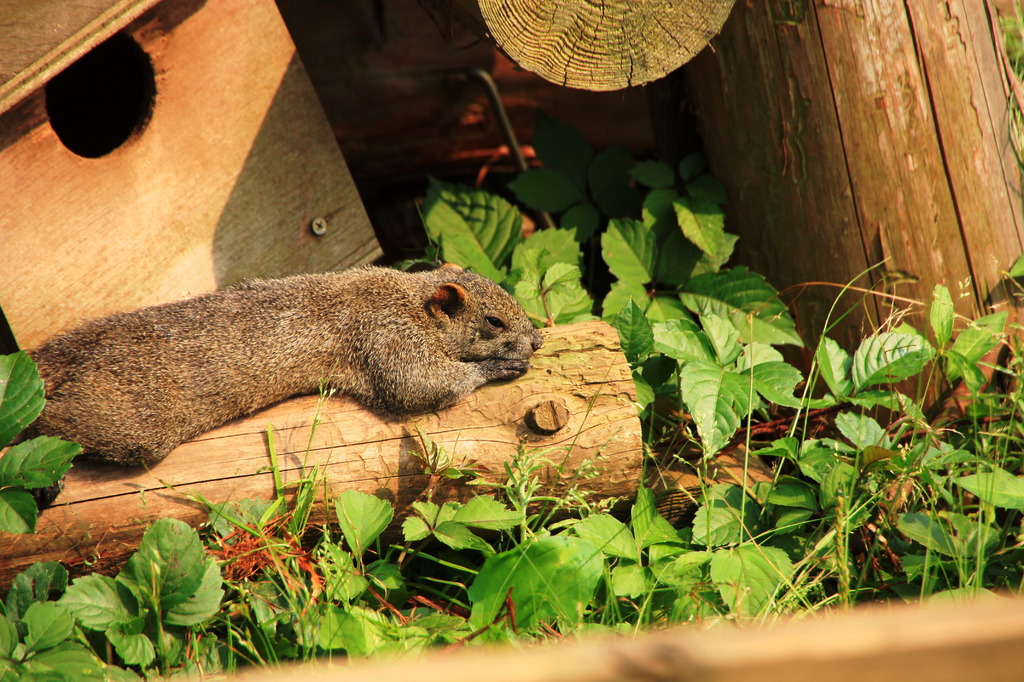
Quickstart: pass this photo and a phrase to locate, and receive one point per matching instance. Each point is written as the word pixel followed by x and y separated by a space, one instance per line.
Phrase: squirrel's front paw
pixel 497 369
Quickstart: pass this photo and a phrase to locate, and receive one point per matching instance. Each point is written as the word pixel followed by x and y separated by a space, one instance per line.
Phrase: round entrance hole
pixel 104 98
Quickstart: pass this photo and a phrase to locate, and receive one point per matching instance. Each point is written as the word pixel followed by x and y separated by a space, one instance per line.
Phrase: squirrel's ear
pixel 447 300
pixel 452 266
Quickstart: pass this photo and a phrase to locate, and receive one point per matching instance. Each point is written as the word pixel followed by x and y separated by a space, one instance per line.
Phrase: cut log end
pixel 575 408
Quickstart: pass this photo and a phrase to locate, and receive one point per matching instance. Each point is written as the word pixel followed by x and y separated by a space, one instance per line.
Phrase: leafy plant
pixel 34 463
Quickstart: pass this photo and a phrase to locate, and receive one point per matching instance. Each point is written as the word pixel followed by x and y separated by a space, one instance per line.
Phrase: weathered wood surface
pixel 104 510
pixel 222 184
pixel 938 643
pixel 40 39
pixel 368 60
pixel 853 134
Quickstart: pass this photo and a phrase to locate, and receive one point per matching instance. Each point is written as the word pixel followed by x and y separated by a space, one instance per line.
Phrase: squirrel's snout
pixel 537 341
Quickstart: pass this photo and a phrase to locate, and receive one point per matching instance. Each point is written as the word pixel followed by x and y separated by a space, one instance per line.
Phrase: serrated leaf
pixel 747 300
pixel 980 336
pixel 927 531
pixel 691 166
pixel 708 189
pixel 18 511
pixel 169 565
pixel 457 536
pixel 582 219
pixel 70 661
pixel 609 534
pixel 362 518
pixel 38 462
pixel 1017 269
pixel 834 363
pixel 703 223
pixel 47 625
pixel 134 648
pixel 789 491
pixel 8 638
pixel 724 337
pixel 552 246
pixel 487 512
pixel 997 487
pixel 545 189
pixel 648 525
pixel 204 602
pixel 476 229
pixel 608 179
pixel 941 315
pixel 724 518
pixel 619 296
pixel 664 309
pixel 21 395
pixel 550 579
pixel 653 174
pixel 659 214
pixel 682 340
pixel 958 367
pixel 776 382
pixel 414 528
pixel 95 602
pixel 889 357
pixel 41 581
pixel 628 248
pixel 861 430
pixel 676 259
pixel 712 395
pixel 635 332
pixel 557 298
pixel 748 576
pixel 562 148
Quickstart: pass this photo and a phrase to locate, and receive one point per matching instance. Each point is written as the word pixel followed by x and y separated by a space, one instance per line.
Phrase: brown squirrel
pixel 132 386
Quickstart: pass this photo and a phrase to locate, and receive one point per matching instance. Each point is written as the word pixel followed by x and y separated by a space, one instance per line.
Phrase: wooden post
pixel 576 407
pixel 852 134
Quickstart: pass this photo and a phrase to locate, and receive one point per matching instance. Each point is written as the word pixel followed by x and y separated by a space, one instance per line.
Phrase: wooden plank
pixel 222 184
pixel 105 509
pixel 40 39
pixel 939 643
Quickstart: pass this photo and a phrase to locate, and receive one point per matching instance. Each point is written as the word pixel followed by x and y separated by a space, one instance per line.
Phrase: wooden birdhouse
pixel 151 150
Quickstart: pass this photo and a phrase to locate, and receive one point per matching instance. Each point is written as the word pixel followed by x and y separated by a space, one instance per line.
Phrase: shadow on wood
pixel 575 406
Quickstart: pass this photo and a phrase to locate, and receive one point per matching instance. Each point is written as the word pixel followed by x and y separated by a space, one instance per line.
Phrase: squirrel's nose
pixel 538 340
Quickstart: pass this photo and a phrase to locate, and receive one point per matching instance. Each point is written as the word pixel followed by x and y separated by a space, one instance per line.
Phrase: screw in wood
pixel 318 226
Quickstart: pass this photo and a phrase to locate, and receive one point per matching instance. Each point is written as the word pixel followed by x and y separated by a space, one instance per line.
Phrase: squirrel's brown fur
pixel 132 386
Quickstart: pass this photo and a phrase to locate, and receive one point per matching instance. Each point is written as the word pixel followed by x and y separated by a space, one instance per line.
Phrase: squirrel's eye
pixel 495 322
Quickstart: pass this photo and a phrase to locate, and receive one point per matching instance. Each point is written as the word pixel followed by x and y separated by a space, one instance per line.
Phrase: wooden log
pixel 598 46
pixel 575 406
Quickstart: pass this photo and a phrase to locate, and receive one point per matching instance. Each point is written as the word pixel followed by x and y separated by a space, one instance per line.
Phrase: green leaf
pixel 95 601
pixel 203 604
pixel 582 219
pixel 713 395
pixel 8 639
pixel 941 315
pixel 889 357
pixel 649 527
pixel 635 332
pixel 169 565
pixel 1017 269
pixel 362 518
pixel 703 223
pixel 38 462
pixel 70 661
pixel 653 174
pixel 355 630
pixel 682 340
pixel 659 214
pixel 550 579
pixel 609 534
pixel 619 296
pixel 475 229
pixel 676 259
pixel 861 430
pixel 927 531
pixel 748 576
pixel 41 581
pixel 747 300
pixel 630 580
pixel 545 189
pixel 487 512
pixel 724 517
pixel 708 189
pixel 834 363
pixel 608 178
pixel 414 528
pixel 789 491
pixel 134 648
pixel 665 308
pixel 628 248
pixel 997 487
pixel 21 395
pixel 958 367
pixel 776 382
pixel 562 148
pixel 47 625
pixel 724 337
pixel 18 511
pixel 457 536
pixel 980 336
pixel 558 298
pixel 691 166
pixel 555 246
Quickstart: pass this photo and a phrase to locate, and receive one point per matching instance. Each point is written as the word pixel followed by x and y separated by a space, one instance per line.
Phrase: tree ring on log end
pixel 604 45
